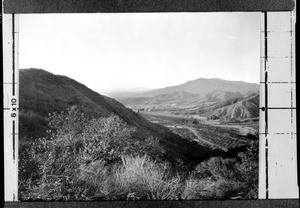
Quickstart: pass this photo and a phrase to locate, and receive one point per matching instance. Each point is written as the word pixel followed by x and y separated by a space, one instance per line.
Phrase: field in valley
pixel 209 133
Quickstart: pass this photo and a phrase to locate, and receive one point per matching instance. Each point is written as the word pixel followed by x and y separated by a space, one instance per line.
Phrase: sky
pixel 142 51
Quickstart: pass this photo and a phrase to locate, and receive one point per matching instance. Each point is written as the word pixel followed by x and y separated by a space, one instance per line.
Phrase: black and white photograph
pixel 139 106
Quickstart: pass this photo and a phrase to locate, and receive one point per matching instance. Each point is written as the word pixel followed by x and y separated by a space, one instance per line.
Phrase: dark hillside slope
pixel 42 93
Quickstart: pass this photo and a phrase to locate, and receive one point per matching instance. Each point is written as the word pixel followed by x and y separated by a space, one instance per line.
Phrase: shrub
pixel 29 173
pixel 248 170
pixel 220 177
pixel 196 189
pixel 210 189
pixel 59 156
pixel 95 181
pixel 230 176
pixel 216 167
pixel 141 178
pixel 107 139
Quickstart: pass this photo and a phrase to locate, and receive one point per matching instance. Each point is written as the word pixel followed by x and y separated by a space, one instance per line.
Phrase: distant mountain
pixel 203 86
pixel 42 93
pixel 215 98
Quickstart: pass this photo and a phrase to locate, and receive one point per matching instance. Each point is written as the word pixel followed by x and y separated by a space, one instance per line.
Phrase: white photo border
pixel 278 177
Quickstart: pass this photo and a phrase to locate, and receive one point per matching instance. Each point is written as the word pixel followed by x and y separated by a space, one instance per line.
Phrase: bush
pixel 216 168
pixel 141 178
pixel 59 156
pixel 29 172
pixel 196 189
pixel 210 189
pixel 227 177
pixel 95 181
pixel 248 169
pixel 215 178
pixel 107 139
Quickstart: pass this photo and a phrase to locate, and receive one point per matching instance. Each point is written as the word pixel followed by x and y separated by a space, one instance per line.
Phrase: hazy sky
pixel 109 52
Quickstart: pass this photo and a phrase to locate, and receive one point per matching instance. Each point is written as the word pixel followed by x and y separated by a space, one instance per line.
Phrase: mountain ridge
pixel 203 85
pixel 201 96
pixel 153 92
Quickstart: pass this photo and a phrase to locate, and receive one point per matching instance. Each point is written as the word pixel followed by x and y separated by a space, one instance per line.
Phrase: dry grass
pixel 210 189
pixel 142 178
pixel 136 178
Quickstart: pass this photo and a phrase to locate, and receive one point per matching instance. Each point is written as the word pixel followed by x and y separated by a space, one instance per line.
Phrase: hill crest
pixel 202 86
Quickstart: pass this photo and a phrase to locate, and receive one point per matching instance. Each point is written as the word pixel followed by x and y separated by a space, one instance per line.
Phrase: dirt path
pixel 203 140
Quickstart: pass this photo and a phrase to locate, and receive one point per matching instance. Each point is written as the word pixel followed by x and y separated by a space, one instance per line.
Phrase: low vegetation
pixel 100 159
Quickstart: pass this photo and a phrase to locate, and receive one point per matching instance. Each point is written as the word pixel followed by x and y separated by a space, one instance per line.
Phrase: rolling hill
pixel 228 107
pixel 213 98
pixel 239 109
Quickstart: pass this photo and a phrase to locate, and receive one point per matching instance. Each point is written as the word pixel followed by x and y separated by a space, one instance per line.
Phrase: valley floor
pixel 208 133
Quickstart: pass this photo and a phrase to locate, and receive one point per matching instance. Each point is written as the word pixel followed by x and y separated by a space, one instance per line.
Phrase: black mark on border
pixel 14 138
pixel 266 103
